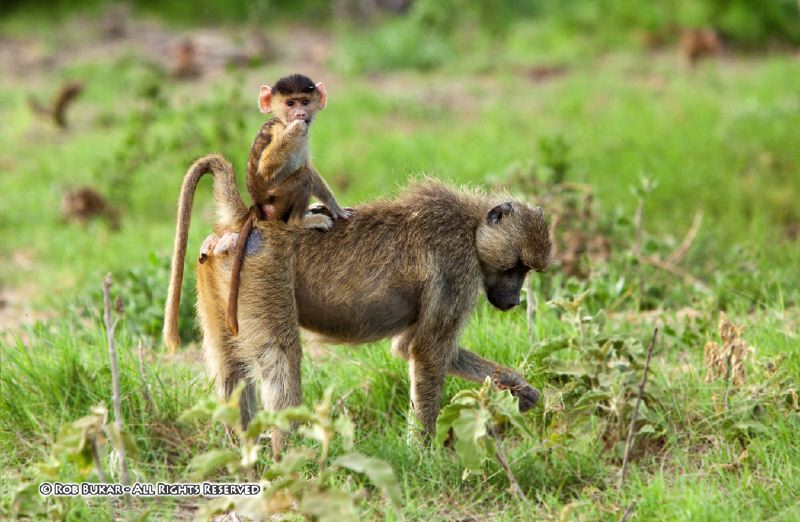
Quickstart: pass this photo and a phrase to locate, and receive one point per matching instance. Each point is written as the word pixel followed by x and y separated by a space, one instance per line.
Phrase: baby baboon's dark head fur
pixel 294 84
pixel 513 239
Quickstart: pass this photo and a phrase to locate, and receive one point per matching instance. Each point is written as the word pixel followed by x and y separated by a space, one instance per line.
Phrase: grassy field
pixel 721 139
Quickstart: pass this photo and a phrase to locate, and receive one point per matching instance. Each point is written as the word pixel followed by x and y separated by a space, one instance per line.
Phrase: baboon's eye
pixel 305 102
pixel 290 103
pixel 519 268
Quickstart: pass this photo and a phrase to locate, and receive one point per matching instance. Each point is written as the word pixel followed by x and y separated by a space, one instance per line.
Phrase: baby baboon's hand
pixel 341 213
pixel 297 128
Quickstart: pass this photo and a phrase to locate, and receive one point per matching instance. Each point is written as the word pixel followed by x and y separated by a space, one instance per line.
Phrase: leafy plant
pixel 83 445
pixel 600 381
pixel 473 416
pixel 286 488
pixel 141 292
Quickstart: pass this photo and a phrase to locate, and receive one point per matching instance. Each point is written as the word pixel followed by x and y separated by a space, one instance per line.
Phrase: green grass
pixel 721 139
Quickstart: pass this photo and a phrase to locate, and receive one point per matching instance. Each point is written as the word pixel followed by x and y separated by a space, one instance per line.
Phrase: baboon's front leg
pixel 427 384
pixel 471 366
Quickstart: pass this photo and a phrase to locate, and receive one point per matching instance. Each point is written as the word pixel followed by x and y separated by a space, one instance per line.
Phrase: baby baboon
pixel 280 176
pixel 410 268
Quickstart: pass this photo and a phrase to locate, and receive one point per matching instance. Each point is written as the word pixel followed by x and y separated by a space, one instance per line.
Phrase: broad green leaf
pixel 506 406
pixel 211 509
pixel 291 463
pixel 445 421
pixel 329 506
pixel 121 439
pixel 346 430
pixel 379 472
pixel 227 413
pixel 249 451
pixel 200 411
pixel 261 422
pixel 28 502
pixel 204 464
pixel 646 429
pixel 574 369
pixel 470 428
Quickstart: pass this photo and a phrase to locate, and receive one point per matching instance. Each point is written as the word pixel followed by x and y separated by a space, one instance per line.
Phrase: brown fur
pixel 84 203
pixel 184 61
pixel 410 268
pixel 697 44
pixel 57 111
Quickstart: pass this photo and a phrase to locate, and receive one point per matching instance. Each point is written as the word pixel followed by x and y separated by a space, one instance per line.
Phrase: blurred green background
pixel 661 138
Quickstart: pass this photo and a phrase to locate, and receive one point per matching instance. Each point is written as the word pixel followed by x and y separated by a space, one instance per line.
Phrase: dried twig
pixel 145 387
pixel 112 353
pixel 98 466
pixel 96 458
pixel 501 458
pixel 637 249
pixel 668 264
pixel 675 270
pixel 632 428
pixel 530 307
pixel 679 252
pixel 628 513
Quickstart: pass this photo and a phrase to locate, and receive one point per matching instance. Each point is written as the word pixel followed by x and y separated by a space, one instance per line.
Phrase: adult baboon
pixel 410 268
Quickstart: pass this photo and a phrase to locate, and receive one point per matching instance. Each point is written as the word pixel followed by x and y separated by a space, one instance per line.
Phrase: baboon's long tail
pixel 232 211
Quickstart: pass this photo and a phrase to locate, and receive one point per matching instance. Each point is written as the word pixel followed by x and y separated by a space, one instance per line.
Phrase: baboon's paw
pixel 317 222
pixel 528 396
pixel 226 244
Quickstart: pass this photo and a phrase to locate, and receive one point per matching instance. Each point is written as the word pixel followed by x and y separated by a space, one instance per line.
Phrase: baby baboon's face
pixel 513 240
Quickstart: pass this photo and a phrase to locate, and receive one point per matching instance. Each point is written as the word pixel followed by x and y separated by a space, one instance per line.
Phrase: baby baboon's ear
pixel 497 213
pixel 265 99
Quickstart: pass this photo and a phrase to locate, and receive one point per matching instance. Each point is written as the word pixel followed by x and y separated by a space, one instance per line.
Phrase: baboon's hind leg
pixel 218 348
pixel 269 334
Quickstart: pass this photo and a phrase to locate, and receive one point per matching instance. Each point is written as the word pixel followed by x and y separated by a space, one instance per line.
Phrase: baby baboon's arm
pixel 320 190
pixel 274 165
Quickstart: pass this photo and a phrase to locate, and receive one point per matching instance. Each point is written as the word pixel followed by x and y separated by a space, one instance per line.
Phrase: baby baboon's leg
pixel 473 367
pixel 300 195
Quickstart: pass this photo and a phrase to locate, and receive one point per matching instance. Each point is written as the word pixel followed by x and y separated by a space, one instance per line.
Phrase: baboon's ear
pixel 265 99
pixel 323 95
pixel 497 213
